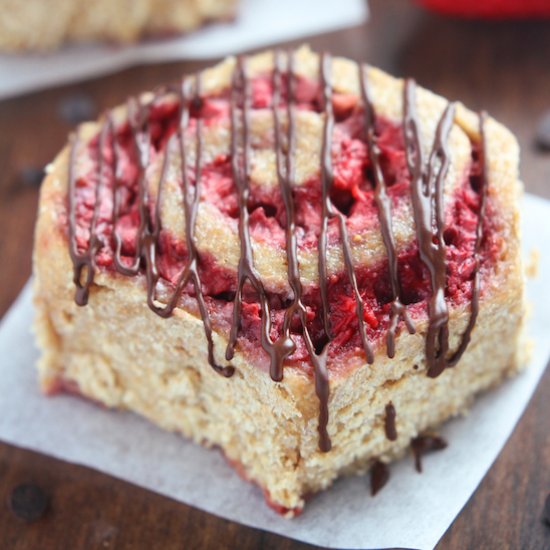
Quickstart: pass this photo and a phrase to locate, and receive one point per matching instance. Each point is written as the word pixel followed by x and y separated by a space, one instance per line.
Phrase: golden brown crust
pixel 157 367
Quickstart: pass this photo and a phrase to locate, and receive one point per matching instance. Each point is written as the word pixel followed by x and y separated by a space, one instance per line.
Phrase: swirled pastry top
pixel 308 204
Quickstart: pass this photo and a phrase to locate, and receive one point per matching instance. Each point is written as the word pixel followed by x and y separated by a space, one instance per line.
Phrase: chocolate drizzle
pixel 84 260
pixel 474 307
pixel 148 235
pixel 383 204
pixel 329 211
pixel 138 116
pixel 240 101
pixel 427 199
pixel 149 228
pixel 389 422
pixel 285 346
pixel 427 184
pixel 326 183
pixel 191 205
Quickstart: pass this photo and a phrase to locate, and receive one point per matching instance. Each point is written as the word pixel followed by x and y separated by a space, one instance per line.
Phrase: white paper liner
pixel 259 23
pixel 412 511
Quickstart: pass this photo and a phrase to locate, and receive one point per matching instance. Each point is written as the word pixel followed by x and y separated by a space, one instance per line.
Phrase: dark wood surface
pixel 502 67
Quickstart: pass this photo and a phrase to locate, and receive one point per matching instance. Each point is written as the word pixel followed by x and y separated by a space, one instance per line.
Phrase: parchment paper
pixel 259 22
pixel 412 511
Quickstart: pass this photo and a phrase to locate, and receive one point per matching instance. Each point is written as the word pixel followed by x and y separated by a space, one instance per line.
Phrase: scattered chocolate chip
pixel 425 444
pixel 543 132
pixel 28 501
pixel 379 476
pixel 77 108
pixel 415 367
pixel 31 176
pixel 546 512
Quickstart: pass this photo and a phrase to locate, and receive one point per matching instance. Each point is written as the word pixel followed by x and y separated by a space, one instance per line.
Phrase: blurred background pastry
pixel 36 25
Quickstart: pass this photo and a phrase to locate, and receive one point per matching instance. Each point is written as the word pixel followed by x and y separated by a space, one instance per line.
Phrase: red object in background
pixel 490 9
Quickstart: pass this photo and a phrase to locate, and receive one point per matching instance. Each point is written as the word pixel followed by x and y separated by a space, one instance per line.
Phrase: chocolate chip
pixel 543 132
pixel 546 512
pixel 77 108
pixel 28 501
pixel 31 176
pixel 379 476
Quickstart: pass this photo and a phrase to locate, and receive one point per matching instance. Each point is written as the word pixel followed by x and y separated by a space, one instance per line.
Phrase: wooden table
pixel 502 67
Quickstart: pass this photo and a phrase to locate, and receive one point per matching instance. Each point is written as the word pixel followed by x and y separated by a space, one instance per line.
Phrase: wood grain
pixel 502 67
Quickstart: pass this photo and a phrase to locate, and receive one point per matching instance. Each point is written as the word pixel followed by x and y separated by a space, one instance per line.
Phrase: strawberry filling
pixel 352 194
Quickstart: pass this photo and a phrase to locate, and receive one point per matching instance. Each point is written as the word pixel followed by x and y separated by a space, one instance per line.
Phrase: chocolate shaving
pixel 389 422
pixel 423 445
pixel 379 476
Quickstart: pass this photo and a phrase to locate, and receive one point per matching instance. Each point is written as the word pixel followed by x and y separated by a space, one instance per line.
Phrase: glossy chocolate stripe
pixel 148 240
pixel 427 198
pixel 431 248
pixel 117 256
pixel 149 228
pixel 474 306
pixel 438 331
pixel 329 210
pixel 325 62
pixel 86 260
pixel 285 346
pixel 138 121
pixel 191 205
pixel 80 261
pixel 240 93
pixel 383 205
